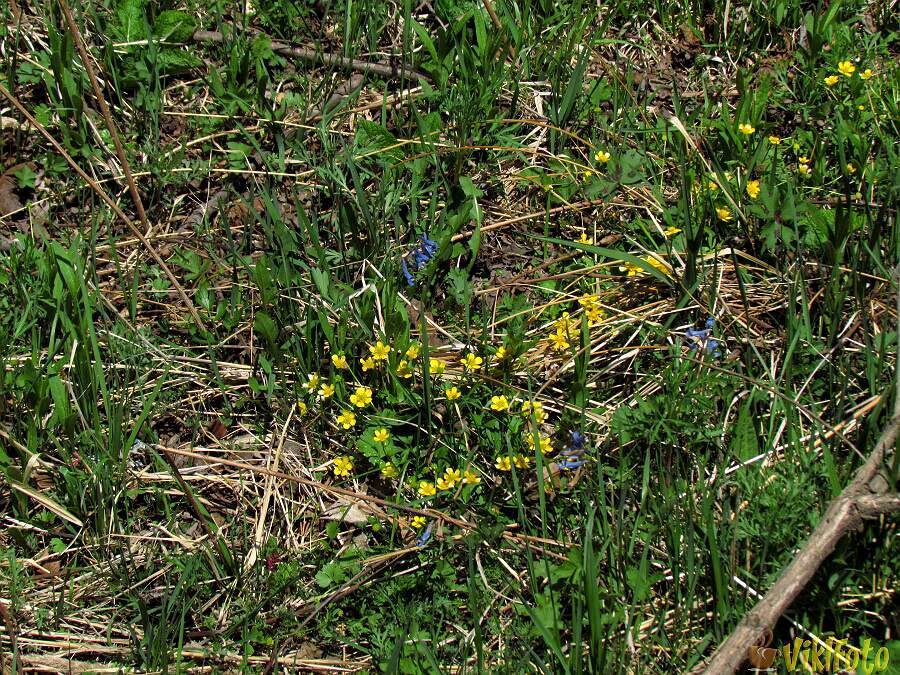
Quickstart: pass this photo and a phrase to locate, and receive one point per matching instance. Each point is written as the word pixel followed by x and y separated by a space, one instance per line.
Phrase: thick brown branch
pixel 864 497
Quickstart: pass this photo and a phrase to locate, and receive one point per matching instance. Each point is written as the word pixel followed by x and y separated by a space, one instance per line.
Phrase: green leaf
pixel 174 26
pixel 609 253
pixel 265 326
pixel 132 24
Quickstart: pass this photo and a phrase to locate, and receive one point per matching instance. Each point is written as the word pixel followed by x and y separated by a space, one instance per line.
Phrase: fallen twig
pixel 123 160
pixel 865 497
pixel 323 58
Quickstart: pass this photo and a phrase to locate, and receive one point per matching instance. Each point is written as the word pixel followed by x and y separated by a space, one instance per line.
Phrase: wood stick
pixel 123 160
pixel 863 498
pixel 322 58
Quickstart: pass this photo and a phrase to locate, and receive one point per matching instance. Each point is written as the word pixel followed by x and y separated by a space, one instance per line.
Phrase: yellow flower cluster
pixel 847 68
pixel 535 408
pixel 343 466
pixel 592 310
pixel 451 478
pixel 566 329
pixel 505 462
pixel 543 441
pixel 635 270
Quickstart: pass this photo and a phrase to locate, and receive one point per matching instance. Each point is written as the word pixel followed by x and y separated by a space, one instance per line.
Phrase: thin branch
pixel 322 58
pixel 96 187
pixel 123 159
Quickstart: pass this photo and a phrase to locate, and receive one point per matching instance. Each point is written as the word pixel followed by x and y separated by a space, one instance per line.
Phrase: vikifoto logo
pixel 830 656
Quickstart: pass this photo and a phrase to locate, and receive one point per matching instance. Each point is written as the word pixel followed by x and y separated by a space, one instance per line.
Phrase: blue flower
pixel 421 253
pixel 571 455
pixel 702 337
pixel 409 277
pixel 423 538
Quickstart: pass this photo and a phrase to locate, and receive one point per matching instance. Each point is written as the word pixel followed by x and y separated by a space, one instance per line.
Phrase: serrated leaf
pixel 174 26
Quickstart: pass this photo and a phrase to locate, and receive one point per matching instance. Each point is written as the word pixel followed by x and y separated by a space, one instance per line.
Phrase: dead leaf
pixel 218 430
pixel 355 512
pixel 9 201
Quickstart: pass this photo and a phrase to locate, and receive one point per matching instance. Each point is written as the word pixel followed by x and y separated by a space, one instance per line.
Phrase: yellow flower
pixel 361 397
pixel 499 403
pixel 343 466
pixel 327 391
pixel 404 370
pixel 453 393
pixel 584 239
pixel 851 169
pixel 559 342
pixel 658 264
pixel 831 80
pixel 500 354
pixel 472 362
pixel 602 156
pixel 339 361
pixel 536 408
pixel 379 351
pixel 594 315
pixel 803 169
pixel 367 363
pixel 546 445
pixel 746 129
pixel 724 214
pixel 753 188
pixel 846 68
pixel 470 478
pixel 426 488
pixel 587 174
pixel 443 484
pixel 452 476
pixel 775 140
pixel 566 325
pixel 588 300
pixel 671 231
pixel 346 419
pixel 412 352
pixel 502 463
pixel 521 461
pixel 301 406
pixel 312 382
pixel 632 269
pixel 867 74
pixel 713 186
pixel 803 160
pixel 436 366
pixel 381 435
pixel 418 522
pixel 389 470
